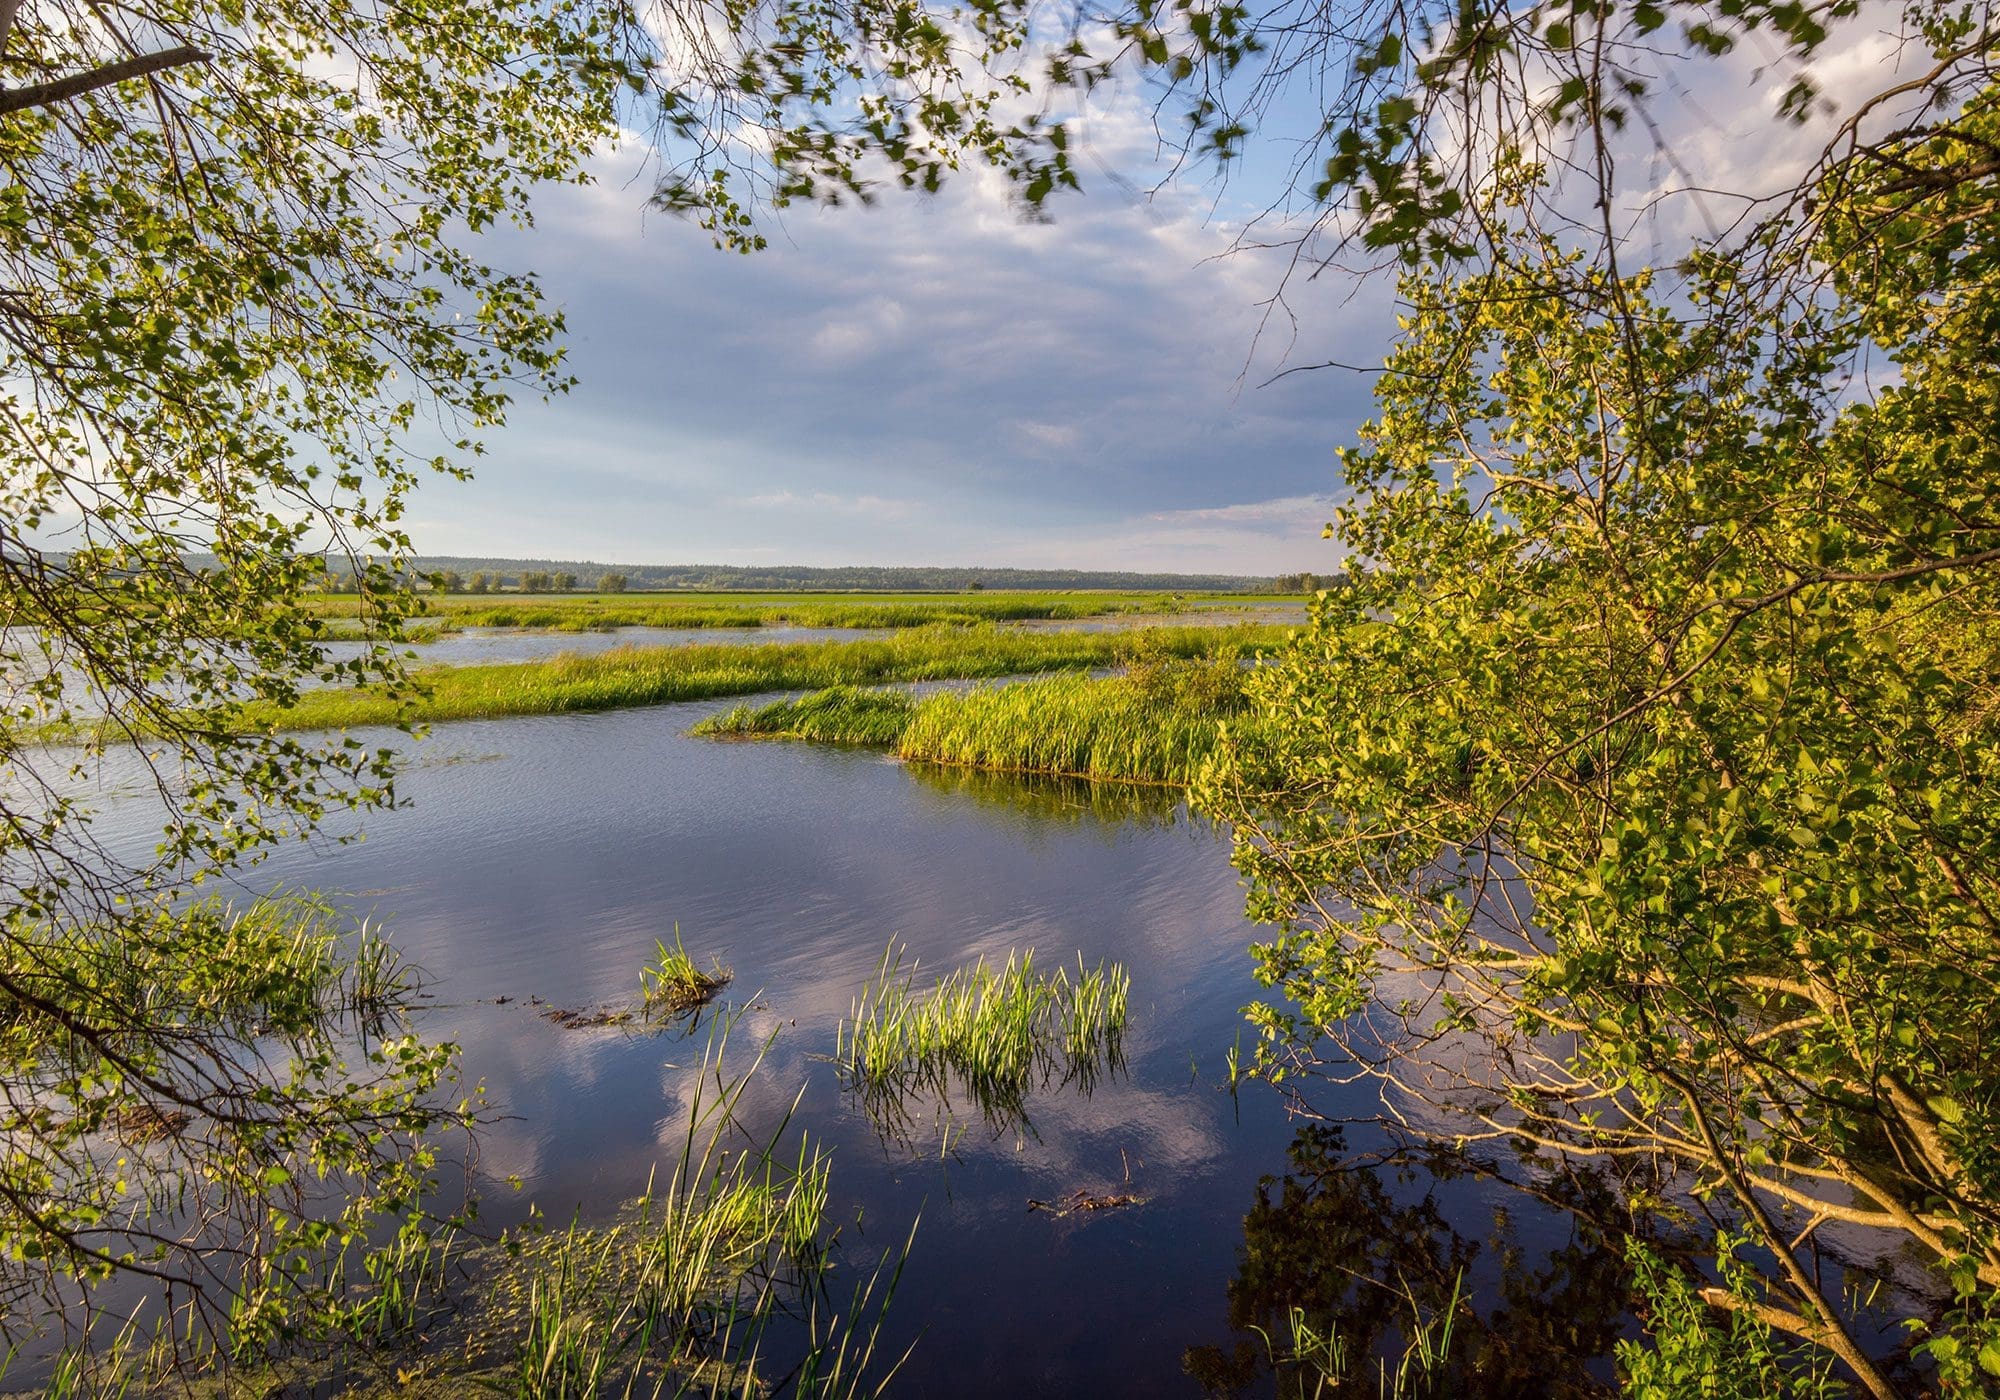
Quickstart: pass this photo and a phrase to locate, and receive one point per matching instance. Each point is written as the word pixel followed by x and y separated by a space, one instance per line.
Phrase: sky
pixel 934 380
pixel 928 380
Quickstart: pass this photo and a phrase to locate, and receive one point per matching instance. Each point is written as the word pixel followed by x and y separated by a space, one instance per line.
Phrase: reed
pixel 995 1033
pixel 672 983
pixel 1154 724
pixel 630 676
pixel 841 714
pixel 1076 726
pixel 596 613
pixel 679 1295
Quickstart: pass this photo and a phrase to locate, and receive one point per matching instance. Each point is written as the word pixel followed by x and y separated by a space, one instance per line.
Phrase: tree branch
pixel 76 84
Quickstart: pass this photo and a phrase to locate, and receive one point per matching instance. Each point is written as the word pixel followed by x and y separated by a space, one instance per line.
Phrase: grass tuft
pixel 996 1033
pixel 671 983
pixel 1156 723
pixel 842 714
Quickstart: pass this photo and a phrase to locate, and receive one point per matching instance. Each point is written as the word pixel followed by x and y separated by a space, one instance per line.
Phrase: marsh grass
pixel 1155 723
pixel 723 1279
pixel 1075 726
pixel 997 1034
pixel 629 676
pixel 684 1293
pixel 672 983
pixel 1318 1361
pixel 597 613
pixel 842 714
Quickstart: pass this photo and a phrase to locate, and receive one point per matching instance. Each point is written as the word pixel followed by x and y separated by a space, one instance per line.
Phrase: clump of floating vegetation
pixel 629 676
pixel 672 983
pixel 1155 723
pixel 995 1033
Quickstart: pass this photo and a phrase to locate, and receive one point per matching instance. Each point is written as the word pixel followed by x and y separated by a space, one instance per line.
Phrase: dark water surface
pixel 541 858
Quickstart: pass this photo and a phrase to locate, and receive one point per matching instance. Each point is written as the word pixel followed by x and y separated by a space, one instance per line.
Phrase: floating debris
pixel 1080 1199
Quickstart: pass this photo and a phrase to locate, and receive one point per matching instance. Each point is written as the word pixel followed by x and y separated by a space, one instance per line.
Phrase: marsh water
pixel 538 860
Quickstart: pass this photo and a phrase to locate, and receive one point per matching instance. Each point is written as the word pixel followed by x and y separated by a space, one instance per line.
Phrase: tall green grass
pixel 630 676
pixel 589 613
pixel 1154 724
pixel 1074 726
pixel 684 1293
pixel 841 714
pixel 994 1033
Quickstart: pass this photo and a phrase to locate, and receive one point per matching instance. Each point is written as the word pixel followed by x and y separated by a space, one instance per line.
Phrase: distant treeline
pixel 849 579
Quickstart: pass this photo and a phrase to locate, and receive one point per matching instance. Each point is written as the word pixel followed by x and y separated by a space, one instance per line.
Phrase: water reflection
pixel 1074 801
pixel 1341 1265
pixel 544 856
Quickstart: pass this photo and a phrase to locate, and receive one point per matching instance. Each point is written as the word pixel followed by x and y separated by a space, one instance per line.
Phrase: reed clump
pixel 996 1033
pixel 841 714
pixel 1078 726
pixel 631 676
pixel 678 1296
pixel 1156 723
pixel 673 983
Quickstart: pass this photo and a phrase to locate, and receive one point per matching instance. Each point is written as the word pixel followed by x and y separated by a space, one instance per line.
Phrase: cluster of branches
pixel 1633 799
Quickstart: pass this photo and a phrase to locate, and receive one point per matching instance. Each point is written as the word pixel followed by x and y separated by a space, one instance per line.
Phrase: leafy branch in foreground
pixel 1633 799
pixel 224 1097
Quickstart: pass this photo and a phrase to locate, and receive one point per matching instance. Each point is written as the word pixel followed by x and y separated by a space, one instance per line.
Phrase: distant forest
pixel 850 579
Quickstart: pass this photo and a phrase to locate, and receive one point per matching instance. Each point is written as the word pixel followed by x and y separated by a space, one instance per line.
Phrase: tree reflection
pixel 1338 1278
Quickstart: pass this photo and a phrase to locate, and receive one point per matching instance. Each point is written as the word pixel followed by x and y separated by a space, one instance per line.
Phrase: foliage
pixel 1740 1359
pixel 1344 1281
pixel 131 1147
pixel 1648 743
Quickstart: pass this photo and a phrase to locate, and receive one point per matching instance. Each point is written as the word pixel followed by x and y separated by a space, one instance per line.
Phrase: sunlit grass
pixel 672 982
pixel 679 1295
pixel 842 714
pixel 630 676
pixel 602 612
pixel 996 1033
pixel 1154 724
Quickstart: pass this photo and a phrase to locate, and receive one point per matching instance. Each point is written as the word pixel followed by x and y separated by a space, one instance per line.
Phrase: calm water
pixel 541 858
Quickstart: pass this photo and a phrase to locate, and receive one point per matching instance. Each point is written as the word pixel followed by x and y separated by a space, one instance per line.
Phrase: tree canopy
pixel 1631 800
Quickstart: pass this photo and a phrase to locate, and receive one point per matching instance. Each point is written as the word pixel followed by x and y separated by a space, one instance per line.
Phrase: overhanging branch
pixel 76 84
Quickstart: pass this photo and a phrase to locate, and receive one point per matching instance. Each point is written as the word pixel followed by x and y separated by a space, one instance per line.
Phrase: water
pixel 541 858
